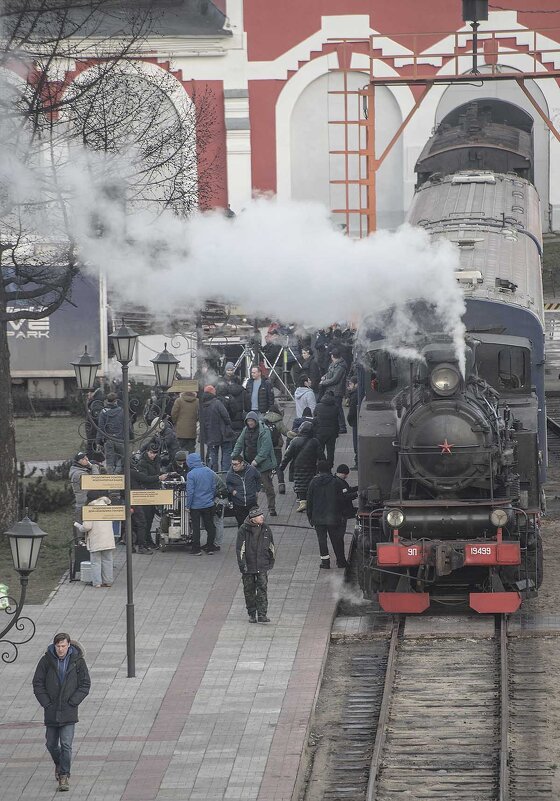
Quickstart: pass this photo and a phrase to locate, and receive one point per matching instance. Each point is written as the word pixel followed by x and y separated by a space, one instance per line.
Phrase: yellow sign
pixel 108 482
pixel 151 497
pixel 103 513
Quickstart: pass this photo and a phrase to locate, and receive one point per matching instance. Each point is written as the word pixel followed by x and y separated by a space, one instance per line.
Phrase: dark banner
pixel 53 342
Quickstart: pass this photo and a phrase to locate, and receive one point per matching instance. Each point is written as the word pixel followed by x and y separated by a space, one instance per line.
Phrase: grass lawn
pixel 53 557
pixel 48 438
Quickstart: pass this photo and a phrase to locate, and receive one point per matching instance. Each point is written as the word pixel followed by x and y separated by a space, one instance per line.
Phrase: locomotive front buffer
pixel 409 571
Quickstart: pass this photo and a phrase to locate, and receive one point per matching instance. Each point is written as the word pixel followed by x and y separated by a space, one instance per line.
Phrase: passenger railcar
pixel 452 465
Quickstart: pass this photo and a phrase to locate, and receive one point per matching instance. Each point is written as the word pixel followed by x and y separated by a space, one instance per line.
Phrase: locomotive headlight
pixel 499 518
pixel 395 518
pixel 445 379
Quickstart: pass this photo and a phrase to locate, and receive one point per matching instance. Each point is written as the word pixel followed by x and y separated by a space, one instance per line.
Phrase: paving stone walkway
pixel 219 708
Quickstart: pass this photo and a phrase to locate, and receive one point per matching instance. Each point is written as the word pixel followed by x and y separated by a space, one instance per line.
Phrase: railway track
pixel 443 726
pixel 424 718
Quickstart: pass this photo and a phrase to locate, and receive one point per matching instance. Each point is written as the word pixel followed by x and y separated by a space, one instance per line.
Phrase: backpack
pixel 274 433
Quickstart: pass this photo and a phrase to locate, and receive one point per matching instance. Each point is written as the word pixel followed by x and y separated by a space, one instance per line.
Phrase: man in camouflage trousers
pixel 255 557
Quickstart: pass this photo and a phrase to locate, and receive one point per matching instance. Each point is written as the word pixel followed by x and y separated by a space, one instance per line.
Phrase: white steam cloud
pixel 276 259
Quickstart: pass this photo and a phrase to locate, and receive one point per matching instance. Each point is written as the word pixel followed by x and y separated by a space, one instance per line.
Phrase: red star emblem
pixel 445 446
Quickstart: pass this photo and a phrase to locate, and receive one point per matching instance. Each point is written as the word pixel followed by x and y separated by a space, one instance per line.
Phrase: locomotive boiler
pixel 452 461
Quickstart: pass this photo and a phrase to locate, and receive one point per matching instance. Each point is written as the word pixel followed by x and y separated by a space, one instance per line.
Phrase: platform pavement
pixel 219 708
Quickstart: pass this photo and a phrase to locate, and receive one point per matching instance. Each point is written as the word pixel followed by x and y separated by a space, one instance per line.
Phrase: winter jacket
pixel 352 415
pixel 145 473
pixel 246 485
pixel 100 536
pixel 335 379
pixel 304 450
pixel 165 439
pixel 304 398
pixel 311 368
pixel 216 421
pixel 201 484
pixel 254 548
pixel 75 474
pixel 61 701
pixel 184 415
pixel 349 494
pixel 111 423
pixel 326 419
pixel 265 458
pixel 325 501
pixel 265 396
pixel 234 397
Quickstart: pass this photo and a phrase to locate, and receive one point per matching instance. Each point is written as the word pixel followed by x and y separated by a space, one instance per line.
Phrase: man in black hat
pixel 146 474
pixel 255 557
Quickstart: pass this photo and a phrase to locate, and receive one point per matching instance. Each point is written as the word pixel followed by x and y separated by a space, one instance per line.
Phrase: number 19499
pixel 480 550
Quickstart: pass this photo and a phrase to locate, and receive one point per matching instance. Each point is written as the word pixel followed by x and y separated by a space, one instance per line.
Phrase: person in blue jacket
pixel 201 492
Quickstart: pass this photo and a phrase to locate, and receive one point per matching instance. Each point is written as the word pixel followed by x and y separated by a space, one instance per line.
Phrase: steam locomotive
pixel 452 463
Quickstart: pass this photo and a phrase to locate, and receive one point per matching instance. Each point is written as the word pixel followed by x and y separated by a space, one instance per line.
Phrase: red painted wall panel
pixel 262 103
pixel 274 28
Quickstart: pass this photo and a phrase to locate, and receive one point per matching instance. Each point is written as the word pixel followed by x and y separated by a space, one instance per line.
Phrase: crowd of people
pixel 248 449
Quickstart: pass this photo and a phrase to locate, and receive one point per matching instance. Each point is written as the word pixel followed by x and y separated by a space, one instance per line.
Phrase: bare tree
pixel 114 109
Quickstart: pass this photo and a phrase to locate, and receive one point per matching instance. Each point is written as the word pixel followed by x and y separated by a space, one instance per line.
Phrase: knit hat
pixel 209 388
pixel 343 468
pixel 229 366
pixel 181 456
pixel 255 512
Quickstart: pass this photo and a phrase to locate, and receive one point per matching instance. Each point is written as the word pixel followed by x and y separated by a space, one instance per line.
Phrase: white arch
pixel 180 101
pixel 297 86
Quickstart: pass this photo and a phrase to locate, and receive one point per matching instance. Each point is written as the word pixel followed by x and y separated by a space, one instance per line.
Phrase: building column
pixel 238 144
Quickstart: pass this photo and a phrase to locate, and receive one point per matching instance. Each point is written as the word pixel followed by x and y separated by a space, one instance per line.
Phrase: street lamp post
pixel 165 365
pixel 124 342
pixel 25 542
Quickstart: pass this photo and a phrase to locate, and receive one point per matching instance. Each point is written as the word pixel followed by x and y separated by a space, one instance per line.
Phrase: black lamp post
pixel 124 342
pixel 165 366
pixel 473 12
pixel 25 542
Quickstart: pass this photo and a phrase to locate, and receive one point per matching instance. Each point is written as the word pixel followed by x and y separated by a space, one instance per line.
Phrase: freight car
pixel 452 464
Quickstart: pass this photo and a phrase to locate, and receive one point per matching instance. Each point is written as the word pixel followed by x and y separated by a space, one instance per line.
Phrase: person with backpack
pixel 304 450
pixel 274 421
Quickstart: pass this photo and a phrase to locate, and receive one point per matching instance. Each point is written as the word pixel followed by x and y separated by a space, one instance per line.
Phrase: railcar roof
pixel 495 221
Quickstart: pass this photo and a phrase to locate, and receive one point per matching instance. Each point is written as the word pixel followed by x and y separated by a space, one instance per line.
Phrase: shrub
pixel 38 496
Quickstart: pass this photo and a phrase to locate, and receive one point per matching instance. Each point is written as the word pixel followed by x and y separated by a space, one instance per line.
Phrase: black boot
pixel 325 563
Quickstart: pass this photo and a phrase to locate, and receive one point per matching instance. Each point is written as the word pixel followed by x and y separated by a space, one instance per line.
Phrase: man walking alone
pixel 255 557
pixel 61 682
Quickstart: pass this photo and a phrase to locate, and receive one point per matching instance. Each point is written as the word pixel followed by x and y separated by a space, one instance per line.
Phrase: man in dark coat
pixel 61 682
pixel 304 450
pixel 231 392
pixel 110 433
pixel 218 433
pixel 335 381
pixel 325 509
pixel 260 395
pixel 352 416
pixel 255 557
pixel 310 367
pixel 146 474
pixel 244 484
pixel 326 424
